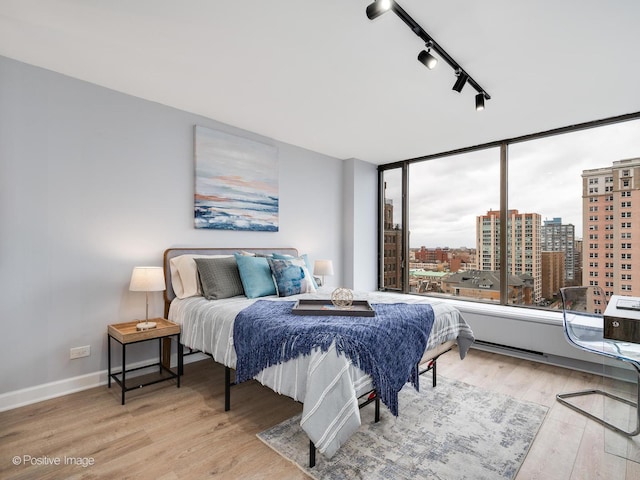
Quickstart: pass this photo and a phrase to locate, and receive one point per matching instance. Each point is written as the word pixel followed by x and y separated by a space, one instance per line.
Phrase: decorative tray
pixel 359 308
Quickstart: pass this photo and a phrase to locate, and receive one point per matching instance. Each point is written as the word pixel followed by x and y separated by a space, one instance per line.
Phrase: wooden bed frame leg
pixel 377 413
pixel 227 389
pixel 312 454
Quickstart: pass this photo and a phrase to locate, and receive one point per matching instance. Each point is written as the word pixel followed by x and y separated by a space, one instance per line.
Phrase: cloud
pixel 447 194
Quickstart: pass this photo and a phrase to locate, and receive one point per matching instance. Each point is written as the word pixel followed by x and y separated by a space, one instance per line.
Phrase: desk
pixel 622 319
pixel 587 333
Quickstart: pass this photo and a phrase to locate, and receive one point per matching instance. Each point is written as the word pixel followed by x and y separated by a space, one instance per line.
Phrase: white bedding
pixel 326 383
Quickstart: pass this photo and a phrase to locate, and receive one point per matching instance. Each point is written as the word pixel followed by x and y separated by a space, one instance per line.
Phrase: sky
pixel 447 194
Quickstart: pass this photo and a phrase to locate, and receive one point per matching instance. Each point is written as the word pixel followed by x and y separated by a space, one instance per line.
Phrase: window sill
pixel 504 312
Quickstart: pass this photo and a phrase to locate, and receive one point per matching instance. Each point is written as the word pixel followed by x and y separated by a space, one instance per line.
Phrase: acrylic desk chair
pixel 584 328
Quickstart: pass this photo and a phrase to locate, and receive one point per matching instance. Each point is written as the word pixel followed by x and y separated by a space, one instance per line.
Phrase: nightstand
pixel 126 334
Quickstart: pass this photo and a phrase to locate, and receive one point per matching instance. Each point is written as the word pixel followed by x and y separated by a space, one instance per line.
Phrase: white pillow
pixel 184 274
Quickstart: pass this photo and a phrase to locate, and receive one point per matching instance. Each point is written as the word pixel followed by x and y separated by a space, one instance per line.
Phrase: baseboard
pixel 606 368
pixel 39 393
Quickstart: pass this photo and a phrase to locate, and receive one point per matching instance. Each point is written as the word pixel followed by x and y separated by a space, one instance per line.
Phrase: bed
pixel 328 384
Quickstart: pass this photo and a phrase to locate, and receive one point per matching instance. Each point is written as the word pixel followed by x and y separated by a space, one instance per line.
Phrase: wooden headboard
pixel 170 253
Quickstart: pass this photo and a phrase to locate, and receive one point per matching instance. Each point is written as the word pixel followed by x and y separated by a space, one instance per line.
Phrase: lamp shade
pixel 147 279
pixel 323 267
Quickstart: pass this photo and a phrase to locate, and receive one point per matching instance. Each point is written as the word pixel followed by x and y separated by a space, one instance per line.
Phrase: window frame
pixel 503 146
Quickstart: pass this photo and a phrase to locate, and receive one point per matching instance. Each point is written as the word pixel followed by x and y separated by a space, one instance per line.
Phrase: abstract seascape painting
pixel 236 182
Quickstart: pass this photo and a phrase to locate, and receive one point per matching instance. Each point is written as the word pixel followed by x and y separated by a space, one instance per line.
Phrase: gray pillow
pixel 219 277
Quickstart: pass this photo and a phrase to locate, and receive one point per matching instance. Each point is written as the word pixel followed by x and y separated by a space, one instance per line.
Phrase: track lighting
pixel 461 81
pixel 425 57
pixel 377 8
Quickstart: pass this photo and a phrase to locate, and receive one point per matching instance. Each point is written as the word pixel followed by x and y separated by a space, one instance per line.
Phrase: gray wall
pixel 94 182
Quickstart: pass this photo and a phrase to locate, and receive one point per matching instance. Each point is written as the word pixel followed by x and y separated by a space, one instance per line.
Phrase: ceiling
pixel 322 76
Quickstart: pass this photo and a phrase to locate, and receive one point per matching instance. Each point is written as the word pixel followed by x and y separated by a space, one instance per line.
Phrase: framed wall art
pixel 236 182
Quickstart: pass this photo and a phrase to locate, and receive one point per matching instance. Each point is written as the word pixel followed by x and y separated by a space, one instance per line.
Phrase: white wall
pixel 360 225
pixel 94 182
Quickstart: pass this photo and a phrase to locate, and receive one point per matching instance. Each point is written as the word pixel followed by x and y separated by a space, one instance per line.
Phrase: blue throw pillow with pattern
pixel 289 278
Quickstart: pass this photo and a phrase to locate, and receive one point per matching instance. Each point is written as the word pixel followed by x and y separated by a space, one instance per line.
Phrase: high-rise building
pixel 578 254
pixel 558 237
pixel 611 227
pixel 553 276
pixel 392 263
pixel 523 245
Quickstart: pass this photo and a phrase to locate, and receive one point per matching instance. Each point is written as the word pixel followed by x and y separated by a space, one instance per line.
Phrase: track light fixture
pixel 461 80
pixel 379 7
pixel 426 58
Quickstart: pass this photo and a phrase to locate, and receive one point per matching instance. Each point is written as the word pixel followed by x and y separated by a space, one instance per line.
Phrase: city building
pixel 455 264
pixel 558 237
pixel 442 259
pixel 523 245
pixel 611 228
pixel 426 281
pixel 485 285
pixel 432 255
pixel 578 256
pixel 392 249
pixel 553 274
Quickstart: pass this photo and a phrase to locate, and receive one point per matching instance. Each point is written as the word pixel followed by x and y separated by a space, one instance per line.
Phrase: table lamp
pixel 147 279
pixel 322 268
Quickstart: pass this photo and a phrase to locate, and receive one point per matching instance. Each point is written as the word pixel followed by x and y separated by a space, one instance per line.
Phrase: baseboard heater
pixel 509 348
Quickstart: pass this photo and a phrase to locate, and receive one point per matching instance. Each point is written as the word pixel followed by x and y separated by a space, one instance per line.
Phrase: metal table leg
pixel 124 387
pixel 109 360
pixel 180 360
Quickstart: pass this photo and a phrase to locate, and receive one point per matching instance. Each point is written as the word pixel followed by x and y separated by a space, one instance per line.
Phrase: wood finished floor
pixel 168 433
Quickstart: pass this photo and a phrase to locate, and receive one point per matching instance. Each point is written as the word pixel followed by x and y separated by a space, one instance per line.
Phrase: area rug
pixel 450 432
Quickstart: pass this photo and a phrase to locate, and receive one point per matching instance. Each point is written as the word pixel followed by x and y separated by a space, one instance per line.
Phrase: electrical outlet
pixel 79 352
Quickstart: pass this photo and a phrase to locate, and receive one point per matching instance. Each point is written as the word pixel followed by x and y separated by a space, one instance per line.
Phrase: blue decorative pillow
pixel 304 258
pixel 288 278
pixel 255 275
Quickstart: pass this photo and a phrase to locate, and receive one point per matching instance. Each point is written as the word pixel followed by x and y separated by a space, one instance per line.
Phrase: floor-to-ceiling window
pixel 447 196
pixel 562 205
pixel 564 185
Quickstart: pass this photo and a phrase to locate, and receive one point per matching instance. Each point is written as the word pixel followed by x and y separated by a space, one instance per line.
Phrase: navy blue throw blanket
pixel 388 346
